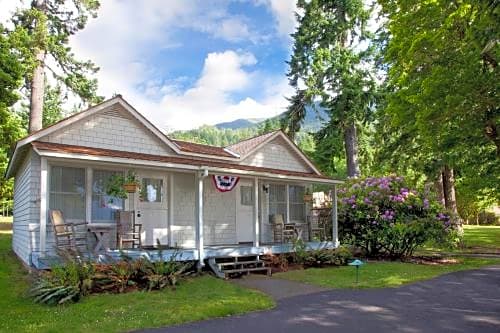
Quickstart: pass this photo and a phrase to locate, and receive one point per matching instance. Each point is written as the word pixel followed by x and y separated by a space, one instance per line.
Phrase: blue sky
pixel 185 63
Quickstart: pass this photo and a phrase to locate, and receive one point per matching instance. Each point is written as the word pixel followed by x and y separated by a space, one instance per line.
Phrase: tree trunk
pixel 449 189
pixel 440 188
pixel 37 92
pixel 351 150
pixel 37 84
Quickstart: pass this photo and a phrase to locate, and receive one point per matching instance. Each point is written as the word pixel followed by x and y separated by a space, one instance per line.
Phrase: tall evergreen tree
pixel 42 32
pixel 444 104
pixel 11 71
pixel 332 59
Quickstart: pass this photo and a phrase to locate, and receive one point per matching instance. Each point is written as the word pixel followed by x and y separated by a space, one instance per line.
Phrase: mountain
pixel 239 123
pixel 312 122
pixel 227 133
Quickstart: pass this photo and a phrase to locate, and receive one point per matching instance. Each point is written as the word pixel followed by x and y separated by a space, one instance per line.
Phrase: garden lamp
pixel 356 263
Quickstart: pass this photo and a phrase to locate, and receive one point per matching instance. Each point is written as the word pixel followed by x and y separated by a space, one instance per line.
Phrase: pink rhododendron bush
pixel 384 217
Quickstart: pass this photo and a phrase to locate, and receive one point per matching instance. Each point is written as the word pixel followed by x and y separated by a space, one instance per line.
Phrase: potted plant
pixel 131 182
pixel 119 186
pixel 308 197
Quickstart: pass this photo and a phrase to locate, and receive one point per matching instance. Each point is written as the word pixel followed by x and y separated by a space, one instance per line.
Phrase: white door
pixel 244 211
pixel 152 208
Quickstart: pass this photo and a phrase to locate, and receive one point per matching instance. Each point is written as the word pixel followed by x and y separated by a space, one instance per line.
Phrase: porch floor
pixel 187 254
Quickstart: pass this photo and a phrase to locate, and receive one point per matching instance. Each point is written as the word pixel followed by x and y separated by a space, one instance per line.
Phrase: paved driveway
pixel 458 302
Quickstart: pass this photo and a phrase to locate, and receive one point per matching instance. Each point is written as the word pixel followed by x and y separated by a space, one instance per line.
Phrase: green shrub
pixel 309 257
pixel 64 283
pixel 384 217
pixel 76 278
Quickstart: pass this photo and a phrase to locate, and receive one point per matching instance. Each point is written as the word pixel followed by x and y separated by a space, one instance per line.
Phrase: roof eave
pixel 122 160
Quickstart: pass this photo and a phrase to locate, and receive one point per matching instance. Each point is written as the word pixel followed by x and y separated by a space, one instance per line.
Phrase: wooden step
pixel 225 267
pixel 239 263
pixel 245 270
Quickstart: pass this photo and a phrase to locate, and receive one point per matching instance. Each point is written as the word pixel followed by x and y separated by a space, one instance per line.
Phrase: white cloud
pixel 125 35
pixel 284 14
pixel 233 29
pixel 209 100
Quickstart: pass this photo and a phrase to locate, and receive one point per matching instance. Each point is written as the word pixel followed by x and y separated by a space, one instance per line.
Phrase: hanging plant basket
pixel 120 185
pixel 308 197
pixel 130 187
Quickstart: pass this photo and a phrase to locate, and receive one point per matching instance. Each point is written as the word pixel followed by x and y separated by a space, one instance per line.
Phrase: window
pixel 246 195
pixel 277 200
pixel 67 191
pixel 152 190
pixel 103 205
pixel 297 205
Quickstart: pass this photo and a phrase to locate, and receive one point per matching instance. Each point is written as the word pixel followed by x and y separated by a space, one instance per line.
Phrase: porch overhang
pixel 55 151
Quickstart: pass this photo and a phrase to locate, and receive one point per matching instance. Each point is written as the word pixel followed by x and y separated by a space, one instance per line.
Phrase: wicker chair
pixel 128 232
pixel 68 236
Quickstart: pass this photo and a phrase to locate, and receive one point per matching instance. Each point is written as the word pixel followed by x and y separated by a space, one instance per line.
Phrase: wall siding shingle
pixel 114 129
pixel 276 154
pixel 25 234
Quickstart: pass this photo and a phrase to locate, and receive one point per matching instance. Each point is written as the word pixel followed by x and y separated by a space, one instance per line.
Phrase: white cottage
pixel 64 166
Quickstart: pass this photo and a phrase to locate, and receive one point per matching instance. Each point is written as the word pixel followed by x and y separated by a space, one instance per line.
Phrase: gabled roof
pixel 243 148
pixel 247 147
pixel 203 149
pixel 234 153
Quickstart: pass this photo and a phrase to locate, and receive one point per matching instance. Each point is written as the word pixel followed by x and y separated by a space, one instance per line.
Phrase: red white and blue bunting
pixel 225 183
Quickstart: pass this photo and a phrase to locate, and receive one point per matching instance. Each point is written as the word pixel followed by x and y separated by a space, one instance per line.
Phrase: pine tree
pixel 42 32
pixel 330 61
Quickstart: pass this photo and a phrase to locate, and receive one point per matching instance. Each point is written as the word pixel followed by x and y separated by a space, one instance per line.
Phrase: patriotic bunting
pixel 225 183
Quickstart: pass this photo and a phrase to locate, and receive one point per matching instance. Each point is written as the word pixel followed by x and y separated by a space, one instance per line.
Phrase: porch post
pixel 170 208
pixel 43 205
pixel 335 222
pixel 199 217
pixel 256 212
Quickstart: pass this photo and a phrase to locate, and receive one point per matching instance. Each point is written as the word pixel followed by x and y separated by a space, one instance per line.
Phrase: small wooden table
pixel 100 230
pixel 298 228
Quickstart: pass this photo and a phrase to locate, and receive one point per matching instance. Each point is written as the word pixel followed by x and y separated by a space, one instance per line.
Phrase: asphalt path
pixel 467 301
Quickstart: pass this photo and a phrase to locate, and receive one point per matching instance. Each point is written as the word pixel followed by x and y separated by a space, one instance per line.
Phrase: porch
pixel 40 261
pixel 181 209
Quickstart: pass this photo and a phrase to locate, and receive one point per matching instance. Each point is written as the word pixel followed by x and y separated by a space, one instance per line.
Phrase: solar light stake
pixel 356 263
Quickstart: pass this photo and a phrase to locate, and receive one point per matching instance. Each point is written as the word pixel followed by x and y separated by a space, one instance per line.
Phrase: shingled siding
pixel 183 225
pixel 25 238
pixel 219 215
pixel 277 155
pixel 110 129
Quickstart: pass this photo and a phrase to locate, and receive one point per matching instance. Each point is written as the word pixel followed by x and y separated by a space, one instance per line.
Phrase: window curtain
pixel 297 205
pixel 67 191
pixel 103 205
pixel 277 200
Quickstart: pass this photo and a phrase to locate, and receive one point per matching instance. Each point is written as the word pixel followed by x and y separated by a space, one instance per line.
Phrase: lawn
pixel 477 239
pixel 195 299
pixel 481 237
pixel 381 274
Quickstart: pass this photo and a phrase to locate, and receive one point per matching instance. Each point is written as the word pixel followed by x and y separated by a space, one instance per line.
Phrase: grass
pixel 482 237
pixel 477 239
pixel 381 274
pixel 195 299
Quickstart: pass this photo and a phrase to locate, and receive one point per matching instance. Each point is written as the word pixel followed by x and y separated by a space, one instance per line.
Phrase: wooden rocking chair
pixel 68 236
pixel 281 233
pixel 129 232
